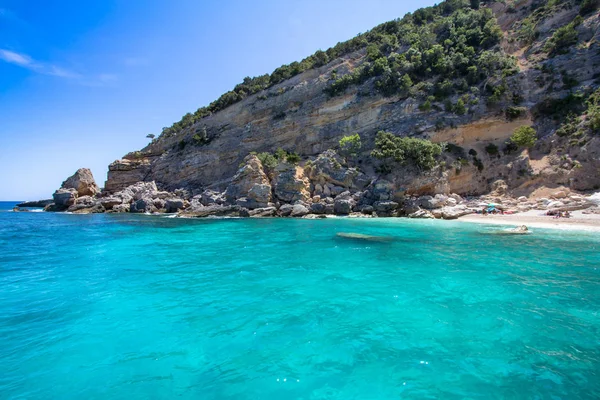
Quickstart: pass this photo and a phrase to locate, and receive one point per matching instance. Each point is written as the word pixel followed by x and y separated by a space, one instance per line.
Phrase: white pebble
pixel 277 379
pixel 422 362
pixel 403 383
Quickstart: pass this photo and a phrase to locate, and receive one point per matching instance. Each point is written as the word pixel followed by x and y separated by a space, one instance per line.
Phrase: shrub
pixel 563 38
pixel 280 154
pixel 593 111
pixel 491 149
pixel 460 108
pixel 425 106
pixel 350 145
pixel 515 112
pixel 293 158
pixel 422 153
pixel 268 160
pixel 524 136
pixel 150 136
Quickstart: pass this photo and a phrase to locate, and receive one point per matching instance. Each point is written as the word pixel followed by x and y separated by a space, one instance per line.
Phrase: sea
pixel 151 307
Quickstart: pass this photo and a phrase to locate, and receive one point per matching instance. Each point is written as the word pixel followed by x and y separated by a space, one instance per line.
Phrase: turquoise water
pixel 140 307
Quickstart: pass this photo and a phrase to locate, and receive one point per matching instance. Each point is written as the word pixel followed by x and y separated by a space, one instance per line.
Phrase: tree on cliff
pixel 524 136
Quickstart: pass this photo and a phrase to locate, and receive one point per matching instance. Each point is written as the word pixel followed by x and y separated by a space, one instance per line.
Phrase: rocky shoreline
pixel 321 187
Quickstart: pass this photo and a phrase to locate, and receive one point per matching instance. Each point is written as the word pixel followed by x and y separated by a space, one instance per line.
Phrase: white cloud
pixel 16 58
pixel 24 61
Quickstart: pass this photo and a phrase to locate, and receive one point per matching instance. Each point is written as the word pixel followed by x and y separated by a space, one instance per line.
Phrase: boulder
pixel 109 202
pixel 173 205
pixel 290 183
pixel 455 212
pixel 143 205
pixel 260 193
pixel 367 209
pixel 424 214
pixel 64 198
pixel 121 208
pixel 210 197
pixel 81 203
pixel 385 208
pixel 286 209
pixel 38 203
pixel 217 210
pixel 522 199
pixel 243 184
pixel 298 210
pixel 330 167
pixel 83 182
pixel 561 194
pixel 318 208
pixel 342 206
pixel 313 216
pixel 263 212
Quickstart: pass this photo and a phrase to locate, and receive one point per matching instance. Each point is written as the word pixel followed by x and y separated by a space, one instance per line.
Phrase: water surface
pixel 127 306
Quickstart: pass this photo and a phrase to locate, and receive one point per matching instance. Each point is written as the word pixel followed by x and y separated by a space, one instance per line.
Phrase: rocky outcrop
pixel 250 187
pixel 126 172
pixel 83 182
pixel 38 203
pixel 290 183
pixel 64 198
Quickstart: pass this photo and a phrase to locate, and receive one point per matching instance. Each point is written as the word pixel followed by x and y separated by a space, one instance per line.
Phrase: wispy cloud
pixel 25 61
pixel 15 58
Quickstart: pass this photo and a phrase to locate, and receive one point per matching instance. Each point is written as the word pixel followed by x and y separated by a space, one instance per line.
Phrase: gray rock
pixel 64 198
pixel 298 210
pixel 109 202
pixel 217 210
pixel 38 203
pixel 263 212
pixel 367 209
pixel 286 209
pixel 341 206
pixel 455 212
pixel 121 208
pixel 421 214
pixel 385 207
pixel 318 208
pixel 83 182
pixel 173 205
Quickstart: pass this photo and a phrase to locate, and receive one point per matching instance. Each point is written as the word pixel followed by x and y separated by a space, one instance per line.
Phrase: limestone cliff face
pixel 297 115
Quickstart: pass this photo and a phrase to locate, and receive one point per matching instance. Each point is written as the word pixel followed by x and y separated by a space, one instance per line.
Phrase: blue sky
pixel 83 82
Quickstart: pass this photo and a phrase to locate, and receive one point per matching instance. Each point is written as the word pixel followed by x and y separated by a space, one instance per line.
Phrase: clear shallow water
pixel 122 307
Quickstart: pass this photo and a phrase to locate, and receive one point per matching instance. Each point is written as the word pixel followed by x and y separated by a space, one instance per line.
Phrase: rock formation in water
pixel 413 118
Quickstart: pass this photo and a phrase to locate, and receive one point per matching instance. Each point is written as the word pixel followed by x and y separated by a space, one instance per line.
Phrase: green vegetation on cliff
pixel 454 41
pixel 451 44
pixel 420 152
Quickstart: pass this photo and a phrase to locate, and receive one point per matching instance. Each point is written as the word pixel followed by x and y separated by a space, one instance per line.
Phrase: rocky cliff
pixel 464 75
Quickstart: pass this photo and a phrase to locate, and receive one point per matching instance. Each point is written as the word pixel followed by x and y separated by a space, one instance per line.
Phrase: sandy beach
pixel 538 219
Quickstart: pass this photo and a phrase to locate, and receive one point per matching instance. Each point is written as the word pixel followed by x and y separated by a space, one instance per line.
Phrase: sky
pixel 83 82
